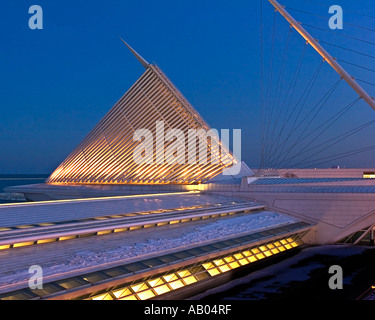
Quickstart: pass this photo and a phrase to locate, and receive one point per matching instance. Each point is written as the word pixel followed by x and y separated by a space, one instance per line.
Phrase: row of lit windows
pixel 136 227
pixel 60 286
pixel 123 215
pixel 174 280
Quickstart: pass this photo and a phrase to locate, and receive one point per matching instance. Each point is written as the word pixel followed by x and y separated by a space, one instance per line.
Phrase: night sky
pixel 57 83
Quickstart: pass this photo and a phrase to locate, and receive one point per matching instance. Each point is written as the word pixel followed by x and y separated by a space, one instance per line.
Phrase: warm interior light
pixel 178 279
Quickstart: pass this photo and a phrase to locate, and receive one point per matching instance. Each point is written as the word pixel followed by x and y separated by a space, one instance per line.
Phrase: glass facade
pixel 175 278
pixel 172 280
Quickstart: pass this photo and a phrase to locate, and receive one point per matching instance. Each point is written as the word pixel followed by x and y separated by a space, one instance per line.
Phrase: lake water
pixel 7 180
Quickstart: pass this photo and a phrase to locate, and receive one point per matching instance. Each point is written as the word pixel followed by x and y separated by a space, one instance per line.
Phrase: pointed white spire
pixel 138 56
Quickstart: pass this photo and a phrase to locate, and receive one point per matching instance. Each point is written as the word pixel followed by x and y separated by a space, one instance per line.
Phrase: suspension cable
pixel 268 114
pixel 279 88
pixel 347 49
pixel 306 92
pixel 339 34
pixel 332 120
pixel 303 134
pixel 290 92
pixel 327 18
pixel 261 84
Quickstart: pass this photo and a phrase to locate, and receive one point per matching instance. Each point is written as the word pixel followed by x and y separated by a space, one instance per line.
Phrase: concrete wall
pixel 324 173
pixel 336 215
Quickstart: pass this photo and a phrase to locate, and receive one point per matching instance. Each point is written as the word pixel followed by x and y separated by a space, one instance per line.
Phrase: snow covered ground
pixel 61 258
pixel 12 196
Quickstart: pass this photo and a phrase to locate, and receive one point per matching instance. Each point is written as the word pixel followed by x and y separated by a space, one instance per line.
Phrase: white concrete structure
pixel 339 202
pixel 172 226
pixel 137 247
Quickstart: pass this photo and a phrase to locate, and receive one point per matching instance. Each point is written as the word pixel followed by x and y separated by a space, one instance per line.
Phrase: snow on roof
pixel 86 254
pixel 66 210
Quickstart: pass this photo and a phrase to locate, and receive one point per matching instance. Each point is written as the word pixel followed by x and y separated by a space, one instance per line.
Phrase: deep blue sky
pixel 57 83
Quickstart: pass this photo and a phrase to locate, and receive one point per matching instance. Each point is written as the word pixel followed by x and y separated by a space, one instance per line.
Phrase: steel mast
pixel 332 61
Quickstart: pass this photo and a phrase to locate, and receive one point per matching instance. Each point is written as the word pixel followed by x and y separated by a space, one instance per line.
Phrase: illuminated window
pixel 246 253
pixel 46 240
pixel 229 259
pixel 145 294
pixel 184 273
pixel 162 289
pixel 122 292
pixel 234 264
pixel 45 224
pixel 162 224
pixel 260 255
pixel 224 268
pixel 105 296
pixel 294 244
pixel 170 277
pixel 243 261
pixel 155 282
pixel 238 256
pixel 190 280
pixel 131 297
pixel 369 175
pixel 213 271
pixel 66 238
pixel 139 287
pixel 219 262
pixel 176 284
pixel 23 244
pixel 177 279
pixel 104 232
pixel 208 265
pixel 135 227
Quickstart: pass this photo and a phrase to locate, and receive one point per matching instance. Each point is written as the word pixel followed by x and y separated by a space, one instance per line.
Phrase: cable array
pixel 300 114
